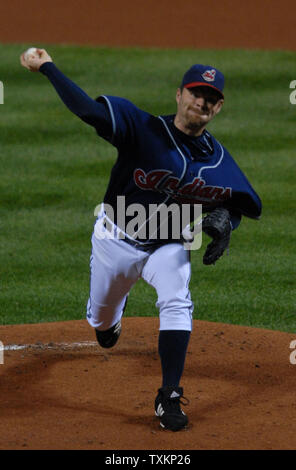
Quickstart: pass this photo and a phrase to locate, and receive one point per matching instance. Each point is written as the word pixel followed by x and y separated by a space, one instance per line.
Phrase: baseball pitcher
pixel 162 160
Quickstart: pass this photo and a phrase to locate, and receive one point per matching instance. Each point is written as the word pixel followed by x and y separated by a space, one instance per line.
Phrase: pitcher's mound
pixel 60 390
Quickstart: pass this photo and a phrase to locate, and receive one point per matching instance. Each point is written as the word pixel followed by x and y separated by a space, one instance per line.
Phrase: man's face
pixel 196 108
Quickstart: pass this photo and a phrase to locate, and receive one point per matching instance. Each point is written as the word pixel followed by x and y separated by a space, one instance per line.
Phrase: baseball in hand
pixel 33 58
pixel 29 52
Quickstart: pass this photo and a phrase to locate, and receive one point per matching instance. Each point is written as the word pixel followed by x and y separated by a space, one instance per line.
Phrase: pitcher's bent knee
pixel 176 317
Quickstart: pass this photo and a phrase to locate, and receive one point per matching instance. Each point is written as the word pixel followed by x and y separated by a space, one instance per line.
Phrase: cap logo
pixel 209 75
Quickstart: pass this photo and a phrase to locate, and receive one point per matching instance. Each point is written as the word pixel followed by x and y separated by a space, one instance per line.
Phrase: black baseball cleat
pixel 108 338
pixel 167 408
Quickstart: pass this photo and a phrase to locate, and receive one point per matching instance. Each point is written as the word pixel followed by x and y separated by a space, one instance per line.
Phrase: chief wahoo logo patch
pixel 209 75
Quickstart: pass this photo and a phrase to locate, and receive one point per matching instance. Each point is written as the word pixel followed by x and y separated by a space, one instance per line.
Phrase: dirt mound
pixel 59 390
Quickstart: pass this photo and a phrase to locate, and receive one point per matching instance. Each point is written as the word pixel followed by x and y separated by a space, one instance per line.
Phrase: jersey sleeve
pixel 78 102
pixel 126 120
pixel 244 199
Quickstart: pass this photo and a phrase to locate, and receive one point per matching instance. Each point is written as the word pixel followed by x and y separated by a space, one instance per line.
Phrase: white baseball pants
pixel 115 267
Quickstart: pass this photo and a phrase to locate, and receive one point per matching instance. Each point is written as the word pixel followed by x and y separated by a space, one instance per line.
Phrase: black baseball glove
pixel 217 226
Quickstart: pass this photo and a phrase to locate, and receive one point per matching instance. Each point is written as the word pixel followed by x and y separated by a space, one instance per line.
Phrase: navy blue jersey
pixel 157 163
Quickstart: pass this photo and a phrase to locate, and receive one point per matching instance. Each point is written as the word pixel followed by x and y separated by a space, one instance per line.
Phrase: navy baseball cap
pixel 204 75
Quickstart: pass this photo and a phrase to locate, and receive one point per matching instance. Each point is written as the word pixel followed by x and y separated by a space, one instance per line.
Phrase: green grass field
pixel 54 171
